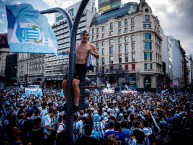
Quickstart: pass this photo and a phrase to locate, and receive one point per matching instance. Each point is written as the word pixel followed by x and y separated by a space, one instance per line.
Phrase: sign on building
pixel 104 5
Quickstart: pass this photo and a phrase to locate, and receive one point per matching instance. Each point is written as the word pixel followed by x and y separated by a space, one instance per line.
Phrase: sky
pixel 175 16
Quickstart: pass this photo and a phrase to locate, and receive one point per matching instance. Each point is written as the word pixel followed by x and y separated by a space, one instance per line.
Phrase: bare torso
pixel 82 51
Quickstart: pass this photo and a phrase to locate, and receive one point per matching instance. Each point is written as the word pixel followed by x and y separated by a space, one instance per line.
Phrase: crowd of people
pixel 143 118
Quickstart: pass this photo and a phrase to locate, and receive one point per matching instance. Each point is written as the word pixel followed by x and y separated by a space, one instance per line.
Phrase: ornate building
pixel 129 43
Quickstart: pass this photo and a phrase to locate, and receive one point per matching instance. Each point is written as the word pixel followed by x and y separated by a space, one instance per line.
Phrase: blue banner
pixel 33 91
pixel 29 31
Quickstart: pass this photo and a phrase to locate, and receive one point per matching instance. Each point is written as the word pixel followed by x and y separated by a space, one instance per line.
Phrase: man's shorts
pixel 79 72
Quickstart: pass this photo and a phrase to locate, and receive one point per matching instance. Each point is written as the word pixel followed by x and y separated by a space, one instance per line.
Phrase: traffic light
pixel 83 104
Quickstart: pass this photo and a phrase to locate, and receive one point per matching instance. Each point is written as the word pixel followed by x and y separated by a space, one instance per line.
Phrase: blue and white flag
pixel 35 91
pixel 29 31
pixel 62 93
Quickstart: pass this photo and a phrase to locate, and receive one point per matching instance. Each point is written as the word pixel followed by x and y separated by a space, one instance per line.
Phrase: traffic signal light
pixel 84 93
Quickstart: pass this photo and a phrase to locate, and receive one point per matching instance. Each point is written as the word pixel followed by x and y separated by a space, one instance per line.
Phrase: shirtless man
pixel 82 51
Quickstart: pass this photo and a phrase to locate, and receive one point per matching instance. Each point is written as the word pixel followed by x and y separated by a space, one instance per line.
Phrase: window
pixel 103 51
pixel 103 43
pixel 110 50
pixel 148 66
pixel 147 18
pixel 132 37
pixel 120 58
pixel 147 36
pixel 97 36
pixel 126 58
pixel 126 67
pixel 133 46
pixel 111 26
pixel 111 33
pixel 126 39
pixel 146 26
pixel 119 24
pixel 147 45
pixel 119 47
pixel 103 60
pixel 147 56
pixel 126 48
pixel 119 40
pixel 119 31
pixel 133 66
pixel 133 56
pixel 132 28
pixel 97 30
pixel 103 35
pixel 126 30
pixel 111 59
pixel 132 21
pixel 97 45
pixel 126 22
pixel 103 28
pixel 97 61
pixel 92 31
pixel 111 42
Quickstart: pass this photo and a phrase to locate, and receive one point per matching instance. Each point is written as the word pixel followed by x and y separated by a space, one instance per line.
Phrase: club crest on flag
pixel 29 31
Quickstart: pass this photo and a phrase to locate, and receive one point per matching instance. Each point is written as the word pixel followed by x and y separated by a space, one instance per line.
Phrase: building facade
pixel 190 68
pixel 129 43
pixel 177 78
pixel 11 68
pixel 30 68
pixel 4 51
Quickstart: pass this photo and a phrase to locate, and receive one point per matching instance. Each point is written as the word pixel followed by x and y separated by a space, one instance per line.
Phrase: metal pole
pixel 69 117
pixel 72 56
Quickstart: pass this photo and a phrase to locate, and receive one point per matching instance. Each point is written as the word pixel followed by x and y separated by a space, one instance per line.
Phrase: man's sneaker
pixel 75 109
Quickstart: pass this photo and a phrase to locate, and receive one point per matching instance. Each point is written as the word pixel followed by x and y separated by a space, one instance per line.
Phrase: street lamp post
pixel 72 55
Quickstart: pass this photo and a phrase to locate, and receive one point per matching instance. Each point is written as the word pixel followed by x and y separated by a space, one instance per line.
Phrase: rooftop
pixel 128 8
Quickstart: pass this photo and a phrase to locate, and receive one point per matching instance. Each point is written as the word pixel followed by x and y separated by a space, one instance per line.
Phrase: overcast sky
pixel 175 16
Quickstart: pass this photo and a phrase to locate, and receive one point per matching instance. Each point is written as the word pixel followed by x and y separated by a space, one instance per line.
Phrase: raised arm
pixel 66 51
pixel 93 50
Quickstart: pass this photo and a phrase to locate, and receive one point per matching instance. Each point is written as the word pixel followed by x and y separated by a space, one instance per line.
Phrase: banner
pixel 104 5
pixel 29 31
pixel 35 91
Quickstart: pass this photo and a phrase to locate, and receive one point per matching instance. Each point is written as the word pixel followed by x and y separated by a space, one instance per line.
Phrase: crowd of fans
pixel 143 118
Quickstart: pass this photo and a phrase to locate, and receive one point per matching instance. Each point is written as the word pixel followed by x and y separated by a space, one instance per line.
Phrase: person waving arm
pixel 93 50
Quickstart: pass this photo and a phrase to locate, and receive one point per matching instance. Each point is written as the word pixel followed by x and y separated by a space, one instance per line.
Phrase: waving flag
pixel 34 91
pixel 29 31
pixel 62 93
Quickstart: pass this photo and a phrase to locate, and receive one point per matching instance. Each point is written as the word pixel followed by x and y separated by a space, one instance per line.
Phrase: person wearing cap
pixel 82 52
pixel 98 126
